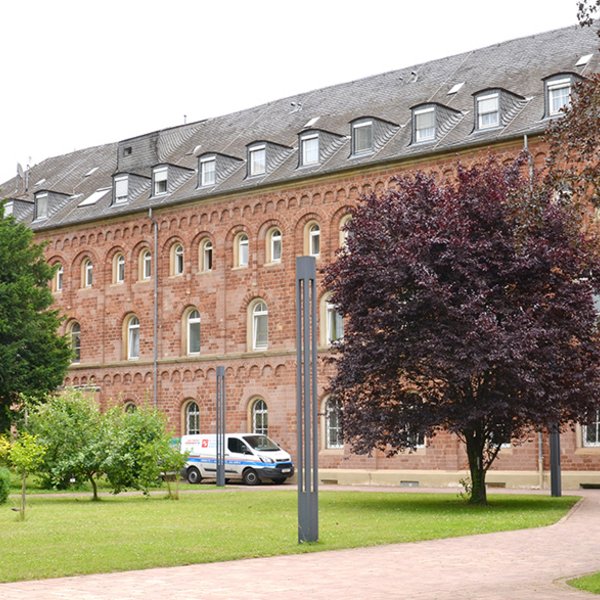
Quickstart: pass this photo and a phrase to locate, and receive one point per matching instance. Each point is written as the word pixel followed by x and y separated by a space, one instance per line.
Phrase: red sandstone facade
pixel 223 296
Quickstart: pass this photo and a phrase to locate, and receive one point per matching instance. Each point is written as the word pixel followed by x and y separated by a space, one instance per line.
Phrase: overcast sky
pixel 79 73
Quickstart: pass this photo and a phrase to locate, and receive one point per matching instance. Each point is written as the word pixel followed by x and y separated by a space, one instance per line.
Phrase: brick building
pixel 176 249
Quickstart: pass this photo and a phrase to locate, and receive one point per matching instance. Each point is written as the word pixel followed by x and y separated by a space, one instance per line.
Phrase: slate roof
pixel 518 66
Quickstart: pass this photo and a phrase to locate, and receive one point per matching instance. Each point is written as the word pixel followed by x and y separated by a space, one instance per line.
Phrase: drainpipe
pixel 540 459
pixel 529 161
pixel 155 320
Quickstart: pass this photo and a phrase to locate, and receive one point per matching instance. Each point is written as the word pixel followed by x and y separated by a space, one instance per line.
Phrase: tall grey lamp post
pixel 306 399
pixel 220 426
pixel 555 475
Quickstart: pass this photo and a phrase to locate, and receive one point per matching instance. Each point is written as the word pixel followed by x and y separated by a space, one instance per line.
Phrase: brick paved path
pixel 515 565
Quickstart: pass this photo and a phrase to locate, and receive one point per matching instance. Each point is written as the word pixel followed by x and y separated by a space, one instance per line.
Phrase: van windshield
pixel 261 442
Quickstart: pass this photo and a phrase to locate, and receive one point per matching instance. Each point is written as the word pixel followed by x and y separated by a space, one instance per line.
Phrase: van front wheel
pixel 250 477
pixel 193 475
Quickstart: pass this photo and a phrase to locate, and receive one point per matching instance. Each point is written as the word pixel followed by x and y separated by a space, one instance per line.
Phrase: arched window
pixel 129 407
pixel 119 268
pixel 133 338
pixel 192 418
pixel 274 247
pixel 145 264
pixel 87 273
pixel 75 340
pixel 333 424
pixel 193 332
pixel 312 239
pixel 242 250
pixel 260 326
pixel 335 324
pixel 58 277
pixel 206 256
pixel 177 259
pixel 343 232
pixel 260 417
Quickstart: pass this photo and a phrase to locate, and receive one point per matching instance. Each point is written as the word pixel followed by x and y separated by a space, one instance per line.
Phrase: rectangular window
pixel 41 206
pixel 160 181
pixel 8 209
pixel 488 111
pixel 257 158
pixel 362 137
pixel 559 94
pixel 208 171
pixel 310 150
pixel 591 431
pixel 59 278
pixel 425 125
pixel 121 189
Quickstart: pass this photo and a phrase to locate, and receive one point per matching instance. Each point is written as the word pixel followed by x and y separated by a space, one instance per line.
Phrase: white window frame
pixel 192 418
pixel 309 145
pixel 334 325
pixel 206 256
pixel 243 250
pixel 146 264
pixel 260 417
pixel 161 175
pixel 119 267
pixel 554 90
pixel 178 259
pixel 333 425
pixel 58 278
pixel 121 189
pixel 357 129
pixel 314 240
pixel 75 340
pixel 486 118
pixel 133 338
pixel 208 171
pixel 585 431
pixel 275 245
pixel 260 323
pixel 88 273
pixel 257 160
pixel 41 206
pixel 192 323
pixel 424 134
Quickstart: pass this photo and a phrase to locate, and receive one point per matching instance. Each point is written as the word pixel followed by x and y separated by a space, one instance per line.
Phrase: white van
pixel 250 457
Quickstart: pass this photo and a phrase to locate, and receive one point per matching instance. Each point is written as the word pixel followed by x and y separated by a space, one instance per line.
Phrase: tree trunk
pixel 23 492
pixel 94 488
pixel 475 445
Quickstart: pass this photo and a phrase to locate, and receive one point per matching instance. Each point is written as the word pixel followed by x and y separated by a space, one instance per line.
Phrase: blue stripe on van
pixel 253 463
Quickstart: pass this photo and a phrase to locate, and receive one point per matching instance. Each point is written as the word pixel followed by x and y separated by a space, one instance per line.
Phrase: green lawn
pixel 67 536
pixel 589 583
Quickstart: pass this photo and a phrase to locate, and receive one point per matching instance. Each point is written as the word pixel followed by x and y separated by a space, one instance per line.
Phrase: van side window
pixel 237 446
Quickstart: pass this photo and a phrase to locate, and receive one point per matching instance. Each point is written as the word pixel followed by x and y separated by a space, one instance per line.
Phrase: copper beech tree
pixel 468 308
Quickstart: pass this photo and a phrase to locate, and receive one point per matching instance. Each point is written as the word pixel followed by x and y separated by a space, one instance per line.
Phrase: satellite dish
pixel 20 171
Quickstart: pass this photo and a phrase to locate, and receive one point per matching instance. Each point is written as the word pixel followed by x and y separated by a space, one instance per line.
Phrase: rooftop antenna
pixel 185 119
pixel 27 174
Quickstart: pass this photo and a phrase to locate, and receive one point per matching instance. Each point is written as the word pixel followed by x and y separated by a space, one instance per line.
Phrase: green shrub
pixel 4 484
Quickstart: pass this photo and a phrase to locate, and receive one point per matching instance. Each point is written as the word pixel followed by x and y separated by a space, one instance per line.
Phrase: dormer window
pixel 41 205
pixel 160 175
pixel 362 137
pixel 488 111
pixel 309 149
pixel 8 209
pixel 208 171
pixel 121 189
pixel 558 94
pixel 257 160
pixel 424 124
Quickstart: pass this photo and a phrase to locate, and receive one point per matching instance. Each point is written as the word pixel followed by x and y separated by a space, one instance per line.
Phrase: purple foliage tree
pixel 468 307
